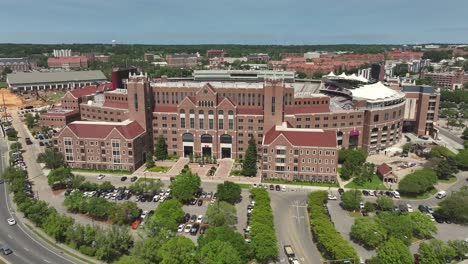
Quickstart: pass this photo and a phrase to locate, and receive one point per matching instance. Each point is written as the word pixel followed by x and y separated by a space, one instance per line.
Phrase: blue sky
pixel 234 21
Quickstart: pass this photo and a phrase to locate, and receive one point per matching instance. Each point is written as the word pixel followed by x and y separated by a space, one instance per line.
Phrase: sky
pixel 281 22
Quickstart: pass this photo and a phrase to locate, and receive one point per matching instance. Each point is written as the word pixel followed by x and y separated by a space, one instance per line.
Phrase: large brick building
pixel 450 80
pixel 72 62
pixel 218 118
pixel 16 64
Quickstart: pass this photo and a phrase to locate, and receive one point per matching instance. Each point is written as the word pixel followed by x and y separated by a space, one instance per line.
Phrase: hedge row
pixel 262 232
pixel 329 241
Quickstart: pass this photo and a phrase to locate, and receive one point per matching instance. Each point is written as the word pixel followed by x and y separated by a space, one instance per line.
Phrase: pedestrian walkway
pixel 224 168
pixel 178 167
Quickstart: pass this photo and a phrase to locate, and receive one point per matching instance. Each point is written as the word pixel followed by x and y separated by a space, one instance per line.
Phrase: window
pixel 376 118
pixel 192 122
pixel 220 123
pixel 386 116
pixel 231 123
pixel 201 122
pixel 273 104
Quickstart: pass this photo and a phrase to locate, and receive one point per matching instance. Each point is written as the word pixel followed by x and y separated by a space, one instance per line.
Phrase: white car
pixel 410 208
pixel 11 221
pixel 283 188
pixel 396 194
pixel 200 219
pixel 361 205
pixel 255 185
pixel 101 176
pixel 331 197
pixel 187 228
pixel 431 216
pixel 143 215
pixel 181 228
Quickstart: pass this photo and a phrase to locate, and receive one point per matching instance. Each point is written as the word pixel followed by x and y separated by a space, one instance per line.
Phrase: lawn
pixel 355 214
pixel 245 185
pixel 450 180
pixel 141 180
pixel 375 184
pixel 159 169
pixel 55 97
pixel 300 183
pixel 422 196
pixel 3 85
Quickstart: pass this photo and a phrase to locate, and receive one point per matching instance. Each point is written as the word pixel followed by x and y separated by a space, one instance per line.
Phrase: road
pixel 292 225
pixel 449 135
pixel 26 247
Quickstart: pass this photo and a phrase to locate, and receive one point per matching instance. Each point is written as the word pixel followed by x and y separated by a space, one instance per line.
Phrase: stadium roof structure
pixel 21 78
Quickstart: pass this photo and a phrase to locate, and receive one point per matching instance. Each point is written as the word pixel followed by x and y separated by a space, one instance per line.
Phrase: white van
pixel 441 194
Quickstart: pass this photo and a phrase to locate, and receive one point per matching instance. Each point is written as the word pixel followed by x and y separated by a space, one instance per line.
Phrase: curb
pixel 4 260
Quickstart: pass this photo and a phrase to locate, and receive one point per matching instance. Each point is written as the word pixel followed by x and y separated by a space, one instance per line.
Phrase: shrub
pixel 418 182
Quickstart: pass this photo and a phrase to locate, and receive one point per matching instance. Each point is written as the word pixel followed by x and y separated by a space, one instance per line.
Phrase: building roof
pixel 60 112
pixel 85 91
pixel 100 130
pixel 376 91
pixel 384 169
pixel 418 89
pixel 19 78
pixel 302 136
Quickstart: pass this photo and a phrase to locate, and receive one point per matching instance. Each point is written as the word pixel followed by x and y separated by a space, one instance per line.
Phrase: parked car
pixel 136 224
pixel 133 179
pixel 187 217
pixel 200 219
pixel 194 229
pixel 278 188
pixel 124 178
pixel 188 227
pixel 193 202
pixel 200 202
pixel 101 176
pixel 193 218
pixel 203 229
pixel 340 191
pixel 441 194
pixel 409 208
pixel 331 197
pixel 181 228
pixel 283 188
pixel 272 187
pixel 28 141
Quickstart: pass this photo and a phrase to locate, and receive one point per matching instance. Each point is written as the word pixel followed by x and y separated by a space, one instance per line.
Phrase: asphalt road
pixel 451 136
pixel 292 225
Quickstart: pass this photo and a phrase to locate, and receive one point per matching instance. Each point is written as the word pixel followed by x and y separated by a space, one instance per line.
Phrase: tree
pixel 352 165
pixel 150 186
pixel 124 213
pixel 52 158
pixel 435 252
pixel 301 75
pixel 369 207
pixel 219 252
pixel 351 199
pixel 400 70
pixel 425 81
pixel 465 133
pixel 440 151
pixel 455 207
pixel 221 213
pixel 98 208
pixel 229 192
pixel 422 225
pixel 178 250
pixel 364 173
pixel 228 235
pixel 460 247
pixel 56 225
pixel 446 168
pixel 462 159
pixel 12 134
pixel 249 167
pixel 146 250
pixel 394 251
pixel 185 185
pixel 167 216
pixel 317 75
pixel 74 202
pixel 149 160
pixel 359 155
pixel 30 120
pixel 161 148
pixel 385 203
pixel 418 182
pixel 61 174
pixel 397 225
pixel 112 243
pixel 368 231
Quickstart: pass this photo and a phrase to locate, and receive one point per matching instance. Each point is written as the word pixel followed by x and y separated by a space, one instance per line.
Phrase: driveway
pixel 292 225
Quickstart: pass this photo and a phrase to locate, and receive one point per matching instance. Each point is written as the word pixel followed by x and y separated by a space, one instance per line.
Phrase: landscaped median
pixel 330 243
pixel 262 234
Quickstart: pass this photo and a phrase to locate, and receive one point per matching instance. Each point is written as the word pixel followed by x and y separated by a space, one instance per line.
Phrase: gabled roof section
pixel 249 111
pixel 223 99
pixel 302 137
pixel 207 86
pixel 165 109
pixel 101 130
pixel 384 169
pixel 85 91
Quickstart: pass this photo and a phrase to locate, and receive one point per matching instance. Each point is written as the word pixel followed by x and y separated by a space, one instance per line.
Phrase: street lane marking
pixel 10 237
pixel 26 249
pixel 46 261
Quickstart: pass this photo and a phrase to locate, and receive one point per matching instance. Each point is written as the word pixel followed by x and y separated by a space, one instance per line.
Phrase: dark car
pixel 365 193
pixel 134 178
pixel 194 229
pixel 186 217
pixel 441 219
pixel 203 229
pixel 278 188
pixel 5 249
pixel 200 202
pixel 124 178
pixel 142 198
pixel 172 179
pixel 193 218
pixel 272 187
pixel 416 258
pixel 150 213
pixel 340 191
pixel 28 141
pixel 423 208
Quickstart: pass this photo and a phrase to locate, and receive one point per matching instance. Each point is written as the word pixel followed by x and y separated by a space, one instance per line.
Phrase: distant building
pixel 182 60
pixel 255 57
pixel 120 76
pixel 215 53
pixel 62 53
pixel 149 57
pixel 366 73
pixel 102 58
pixel 31 81
pixel 16 64
pixel 74 62
pixel 450 80
pixel 377 72
pixel 111 106
pixel 241 75
pixel 72 99
pixel 311 55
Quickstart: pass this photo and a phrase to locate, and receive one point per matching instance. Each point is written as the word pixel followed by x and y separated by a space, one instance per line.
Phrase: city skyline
pixel 295 22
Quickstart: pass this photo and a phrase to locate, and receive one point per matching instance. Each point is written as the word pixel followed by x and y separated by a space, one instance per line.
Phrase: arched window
pixel 187 137
pixel 182 111
pixel 230 112
pixel 226 139
pixel 220 112
pixel 192 111
pixel 210 112
pixel 201 112
pixel 206 138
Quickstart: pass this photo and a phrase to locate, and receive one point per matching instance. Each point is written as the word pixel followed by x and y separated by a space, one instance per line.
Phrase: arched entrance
pixel 206 145
pixel 187 142
pixel 226 146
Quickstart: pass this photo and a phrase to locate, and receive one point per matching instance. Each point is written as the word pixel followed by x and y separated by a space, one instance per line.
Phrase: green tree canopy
pixel 435 252
pixel 394 251
pixel 422 225
pixel 161 148
pixel 219 252
pixel 185 185
pixel 418 182
pixel 385 203
pixel 227 235
pixel 61 174
pixel 124 213
pixel 52 158
pixel 168 215
pixel 440 151
pixel 221 213
pixel 397 225
pixel 229 192
pixel 368 231
pixel 178 250
pixel 351 199
pixel 249 167
pixel 462 159
pixel 455 206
